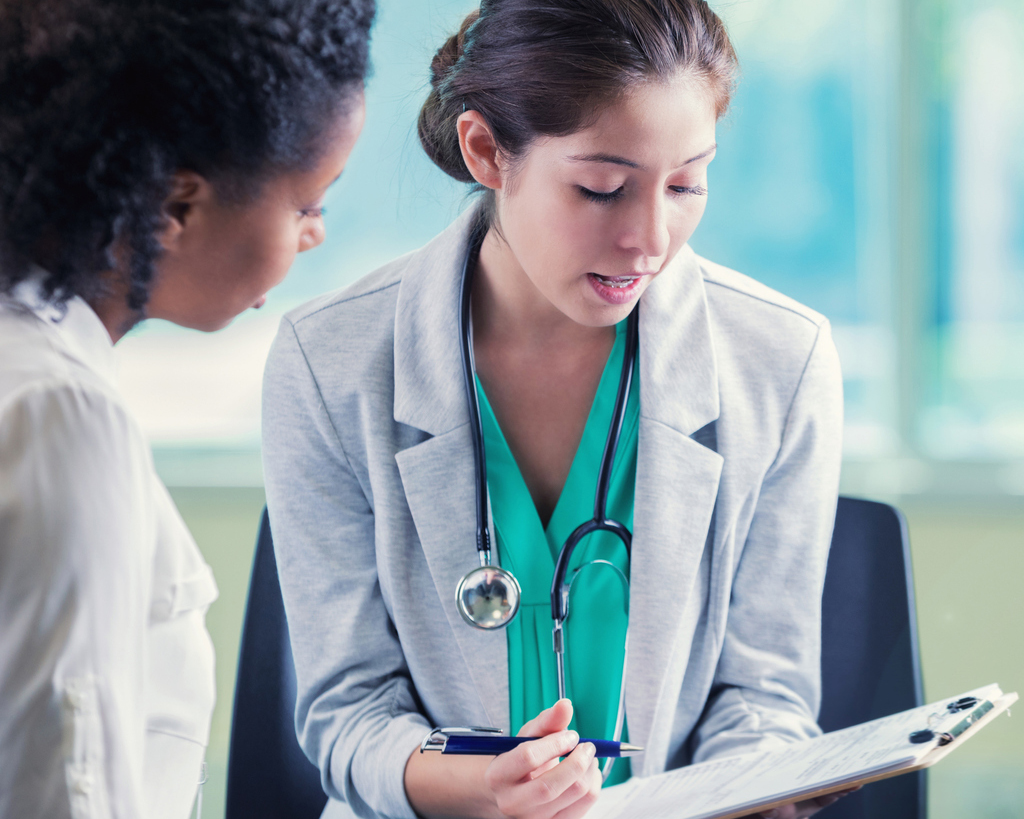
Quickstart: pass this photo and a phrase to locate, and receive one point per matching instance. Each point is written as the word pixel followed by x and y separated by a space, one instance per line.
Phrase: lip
pixel 624 292
pixel 259 302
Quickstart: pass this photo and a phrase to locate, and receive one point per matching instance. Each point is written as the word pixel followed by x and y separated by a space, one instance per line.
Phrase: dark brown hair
pixel 548 67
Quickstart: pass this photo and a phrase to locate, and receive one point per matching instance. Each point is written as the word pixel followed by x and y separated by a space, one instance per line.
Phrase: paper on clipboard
pixel 739 785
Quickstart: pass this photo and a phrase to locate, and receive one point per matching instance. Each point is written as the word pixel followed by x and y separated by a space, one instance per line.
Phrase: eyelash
pixel 312 213
pixel 608 198
pixel 601 198
pixel 696 190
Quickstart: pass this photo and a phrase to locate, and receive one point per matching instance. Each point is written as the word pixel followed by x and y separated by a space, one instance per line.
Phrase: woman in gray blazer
pixel 589 126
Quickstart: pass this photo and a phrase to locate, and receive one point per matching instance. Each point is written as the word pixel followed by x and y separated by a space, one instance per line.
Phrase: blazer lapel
pixel 430 393
pixel 440 487
pixel 676 488
pixel 438 475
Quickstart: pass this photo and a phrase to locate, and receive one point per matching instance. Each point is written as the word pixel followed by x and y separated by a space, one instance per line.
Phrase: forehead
pixel 656 124
pixel 304 185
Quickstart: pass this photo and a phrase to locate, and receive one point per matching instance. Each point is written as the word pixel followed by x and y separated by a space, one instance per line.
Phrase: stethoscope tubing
pixel 483 537
pixel 600 521
pixel 560 589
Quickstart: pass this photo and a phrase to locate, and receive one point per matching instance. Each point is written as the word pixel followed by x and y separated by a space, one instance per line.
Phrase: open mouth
pixel 617 290
pixel 617 282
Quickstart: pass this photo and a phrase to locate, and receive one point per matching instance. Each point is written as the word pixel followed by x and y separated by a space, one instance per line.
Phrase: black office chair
pixel 870 665
pixel 269 776
pixel 869 661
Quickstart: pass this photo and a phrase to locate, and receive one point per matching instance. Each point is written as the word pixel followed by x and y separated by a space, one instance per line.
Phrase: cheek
pixel 689 218
pixel 556 228
pixel 269 253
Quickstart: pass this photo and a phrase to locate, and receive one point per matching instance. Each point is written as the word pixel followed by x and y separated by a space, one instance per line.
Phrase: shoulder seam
pixel 792 400
pixel 344 300
pixel 763 300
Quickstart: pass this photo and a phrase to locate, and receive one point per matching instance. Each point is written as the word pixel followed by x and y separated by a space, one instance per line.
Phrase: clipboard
pixel 734 787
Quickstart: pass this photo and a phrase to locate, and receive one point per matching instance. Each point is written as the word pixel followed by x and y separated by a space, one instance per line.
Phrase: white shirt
pixel 106 667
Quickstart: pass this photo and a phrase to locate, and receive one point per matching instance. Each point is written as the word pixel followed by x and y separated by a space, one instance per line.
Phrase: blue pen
pixel 491 742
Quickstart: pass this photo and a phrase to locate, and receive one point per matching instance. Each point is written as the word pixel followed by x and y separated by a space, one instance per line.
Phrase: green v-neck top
pixel 599 601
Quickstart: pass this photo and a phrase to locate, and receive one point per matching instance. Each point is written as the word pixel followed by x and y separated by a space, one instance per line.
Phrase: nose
pixel 649 230
pixel 312 236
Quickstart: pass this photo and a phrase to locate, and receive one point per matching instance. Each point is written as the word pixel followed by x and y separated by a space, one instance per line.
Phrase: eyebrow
pixel 628 163
pixel 327 187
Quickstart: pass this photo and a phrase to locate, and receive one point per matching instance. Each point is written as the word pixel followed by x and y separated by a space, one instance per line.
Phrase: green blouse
pixel 599 603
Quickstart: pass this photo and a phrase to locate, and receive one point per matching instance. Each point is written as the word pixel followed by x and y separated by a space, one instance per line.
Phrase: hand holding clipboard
pixel 738 786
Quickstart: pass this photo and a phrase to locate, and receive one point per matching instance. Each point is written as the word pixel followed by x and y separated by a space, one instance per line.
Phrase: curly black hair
pixel 102 101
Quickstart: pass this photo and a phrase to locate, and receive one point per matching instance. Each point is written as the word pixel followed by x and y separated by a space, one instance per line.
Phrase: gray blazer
pixel 370 485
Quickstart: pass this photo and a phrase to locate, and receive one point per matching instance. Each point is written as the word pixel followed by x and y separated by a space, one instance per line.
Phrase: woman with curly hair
pixel 158 159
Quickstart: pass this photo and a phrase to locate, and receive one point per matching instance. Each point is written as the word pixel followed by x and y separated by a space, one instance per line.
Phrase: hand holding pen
pixel 530 781
pixel 492 741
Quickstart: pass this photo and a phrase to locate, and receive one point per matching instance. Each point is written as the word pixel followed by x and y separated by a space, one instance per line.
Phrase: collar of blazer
pixel 676 484
pixel 678 376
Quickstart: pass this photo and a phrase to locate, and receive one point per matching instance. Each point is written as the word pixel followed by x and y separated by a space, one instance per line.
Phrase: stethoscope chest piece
pixel 488 597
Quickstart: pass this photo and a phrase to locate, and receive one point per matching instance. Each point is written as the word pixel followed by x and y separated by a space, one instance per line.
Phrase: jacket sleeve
pixel 356 713
pixel 75 574
pixel 767 687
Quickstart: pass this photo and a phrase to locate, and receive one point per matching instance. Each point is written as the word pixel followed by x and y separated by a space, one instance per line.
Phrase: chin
pixel 206 324
pixel 601 314
pixel 220 324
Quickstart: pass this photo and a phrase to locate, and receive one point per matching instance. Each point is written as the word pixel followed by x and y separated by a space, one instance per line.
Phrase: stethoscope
pixel 488 596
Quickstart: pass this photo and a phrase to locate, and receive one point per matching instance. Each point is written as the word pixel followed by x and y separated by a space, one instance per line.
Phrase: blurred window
pixel 976 408
pixel 809 193
pixel 800 192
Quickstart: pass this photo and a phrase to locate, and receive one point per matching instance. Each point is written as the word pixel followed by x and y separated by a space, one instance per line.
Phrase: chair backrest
pixel 268 774
pixel 870 664
pixel 869 667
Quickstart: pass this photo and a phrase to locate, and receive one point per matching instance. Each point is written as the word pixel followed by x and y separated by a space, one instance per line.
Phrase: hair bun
pixel 449 53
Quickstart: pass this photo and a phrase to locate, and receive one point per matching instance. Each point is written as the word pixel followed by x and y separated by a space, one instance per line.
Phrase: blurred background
pixel 871 167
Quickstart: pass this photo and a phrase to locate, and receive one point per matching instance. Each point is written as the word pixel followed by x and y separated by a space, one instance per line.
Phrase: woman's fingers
pixel 565 783
pixel 543 769
pixel 516 766
pixel 558 789
pixel 576 809
pixel 807 808
pixel 530 781
pixel 548 721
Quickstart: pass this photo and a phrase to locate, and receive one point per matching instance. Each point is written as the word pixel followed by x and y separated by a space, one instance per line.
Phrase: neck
pixel 112 308
pixel 110 304
pixel 508 308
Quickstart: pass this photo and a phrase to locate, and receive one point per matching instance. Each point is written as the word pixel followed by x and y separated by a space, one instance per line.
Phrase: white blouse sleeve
pixel 76 535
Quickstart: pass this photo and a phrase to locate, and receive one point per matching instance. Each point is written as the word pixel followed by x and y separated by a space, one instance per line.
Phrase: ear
pixel 479 149
pixel 189 191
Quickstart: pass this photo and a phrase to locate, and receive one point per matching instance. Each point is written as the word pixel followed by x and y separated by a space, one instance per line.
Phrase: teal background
pixel 871 167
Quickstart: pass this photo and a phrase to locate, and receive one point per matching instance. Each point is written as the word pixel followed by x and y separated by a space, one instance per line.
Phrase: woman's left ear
pixel 189 190
pixel 479 149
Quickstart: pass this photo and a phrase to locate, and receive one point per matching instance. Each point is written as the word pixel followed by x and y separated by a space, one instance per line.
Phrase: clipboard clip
pixel 980 708
pixel 437 739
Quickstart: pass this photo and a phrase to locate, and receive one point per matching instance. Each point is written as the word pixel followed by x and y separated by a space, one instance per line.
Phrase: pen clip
pixel 437 739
